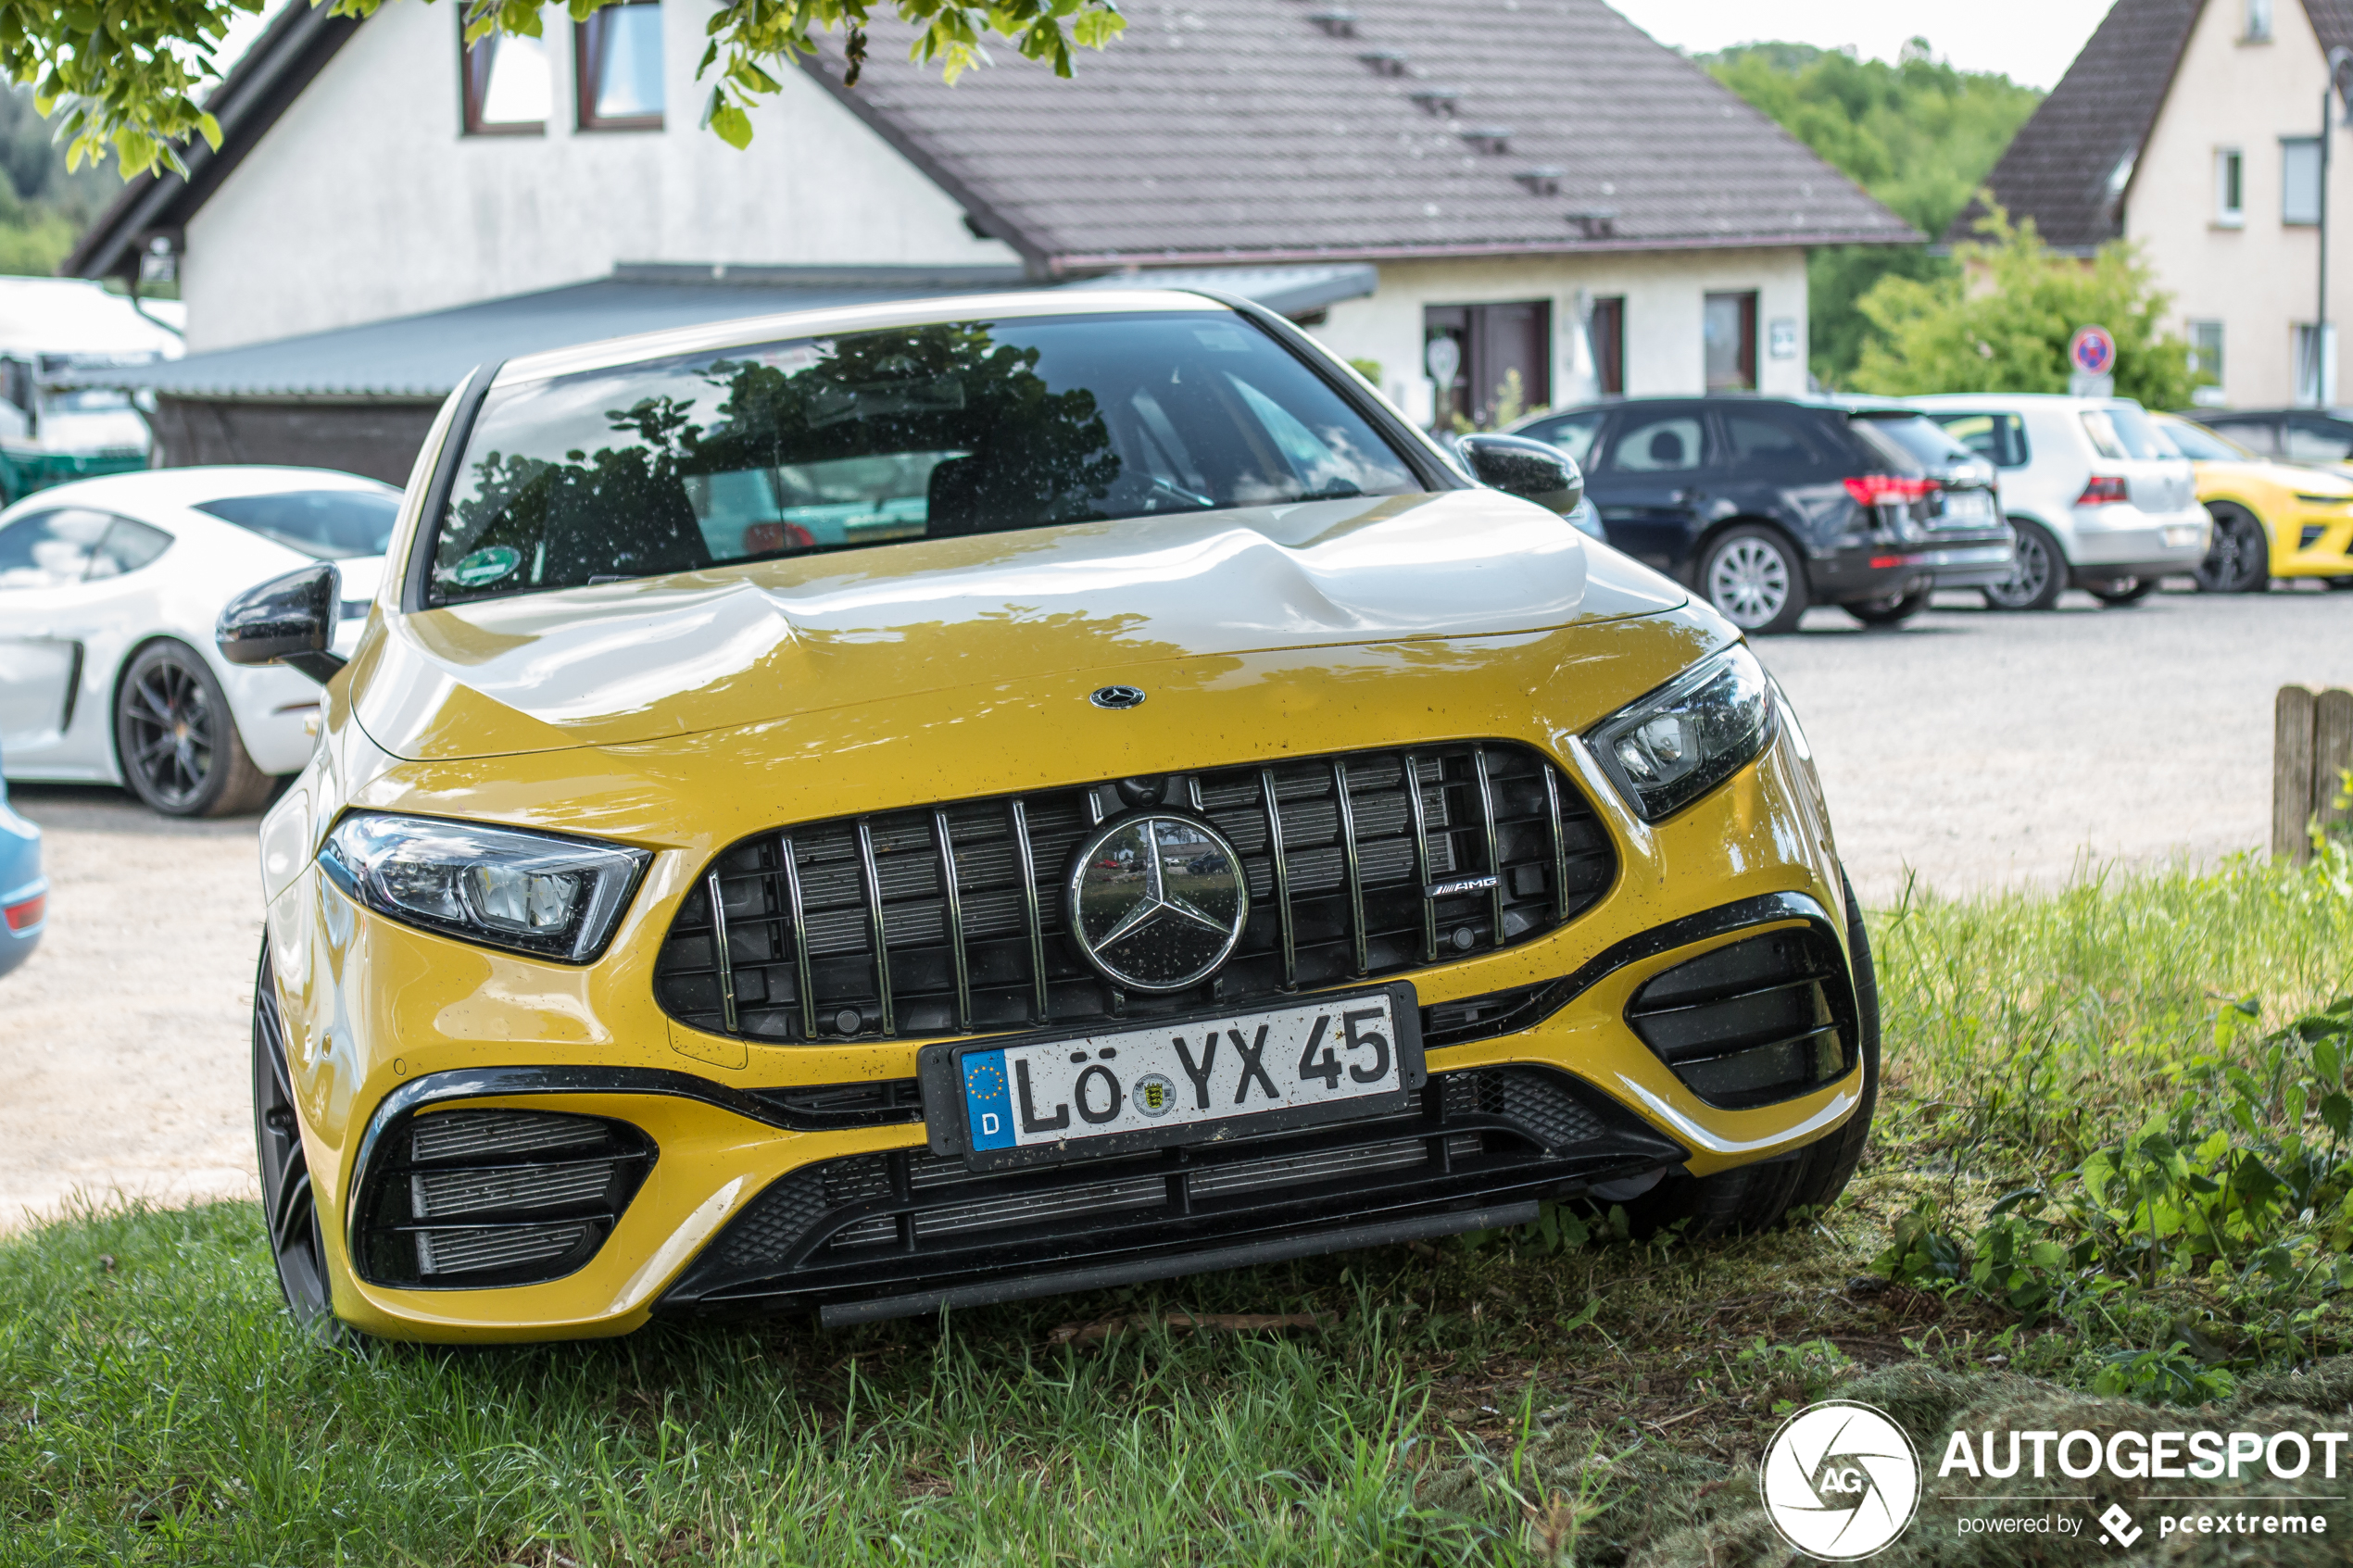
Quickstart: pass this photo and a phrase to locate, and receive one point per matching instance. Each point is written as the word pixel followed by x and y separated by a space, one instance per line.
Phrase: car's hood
pixel 632 661
pixel 2312 479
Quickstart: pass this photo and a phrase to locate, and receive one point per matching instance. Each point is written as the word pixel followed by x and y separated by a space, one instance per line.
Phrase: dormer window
pixel 619 62
pixel 506 83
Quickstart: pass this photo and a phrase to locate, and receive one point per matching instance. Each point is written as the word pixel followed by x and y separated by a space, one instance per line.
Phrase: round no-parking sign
pixel 2091 351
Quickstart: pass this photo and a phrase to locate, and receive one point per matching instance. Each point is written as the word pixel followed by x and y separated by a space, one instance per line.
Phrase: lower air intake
pixel 471 1199
pixel 1760 1021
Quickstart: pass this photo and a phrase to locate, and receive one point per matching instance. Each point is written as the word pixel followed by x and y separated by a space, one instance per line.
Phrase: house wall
pixel 2258 280
pixel 365 202
pixel 1663 292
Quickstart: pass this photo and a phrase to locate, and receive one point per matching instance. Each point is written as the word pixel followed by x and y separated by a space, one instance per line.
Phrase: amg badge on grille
pixel 1157 902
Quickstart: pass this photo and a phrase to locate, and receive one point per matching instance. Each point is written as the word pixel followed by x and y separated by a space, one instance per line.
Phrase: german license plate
pixel 1201 1079
pixel 1967 505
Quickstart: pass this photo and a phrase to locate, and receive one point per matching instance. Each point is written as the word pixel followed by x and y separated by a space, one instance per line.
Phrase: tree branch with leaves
pixel 128 77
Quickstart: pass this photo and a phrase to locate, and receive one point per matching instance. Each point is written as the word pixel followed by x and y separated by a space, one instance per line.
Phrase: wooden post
pixel 2292 776
pixel 2332 754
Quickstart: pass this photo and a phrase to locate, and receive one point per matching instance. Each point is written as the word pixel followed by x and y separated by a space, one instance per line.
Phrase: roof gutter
pixel 1145 260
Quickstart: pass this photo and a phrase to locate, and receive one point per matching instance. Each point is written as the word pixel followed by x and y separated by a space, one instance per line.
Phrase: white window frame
pixel 2229 170
pixel 2258 23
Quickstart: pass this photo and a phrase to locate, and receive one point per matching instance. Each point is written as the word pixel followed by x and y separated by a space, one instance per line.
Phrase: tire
pixel 2240 559
pixel 1755 578
pixel 2340 585
pixel 176 740
pixel 2038 577
pixel 289 1215
pixel 1892 611
pixel 1758 1197
pixel 2125 592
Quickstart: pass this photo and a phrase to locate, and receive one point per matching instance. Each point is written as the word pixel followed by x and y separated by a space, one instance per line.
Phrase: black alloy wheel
pixel 2038 575
pixel 2123 591
pixel 176 740
pixel 1758 1197
pixel 1755 578
pixel 2239 562
pixel 295 1243
pixel 1889 609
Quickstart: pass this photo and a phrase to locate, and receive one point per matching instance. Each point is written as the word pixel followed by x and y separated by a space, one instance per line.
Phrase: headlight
pixel 557 898
pixel 1689 735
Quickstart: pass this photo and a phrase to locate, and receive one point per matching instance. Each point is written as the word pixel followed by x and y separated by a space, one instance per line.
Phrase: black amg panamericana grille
pixel 1760 1021
pixel 872 1223
pixel 951 920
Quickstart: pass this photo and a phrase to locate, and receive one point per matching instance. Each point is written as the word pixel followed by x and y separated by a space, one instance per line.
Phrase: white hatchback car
pixel 2099 499
pixel 109 589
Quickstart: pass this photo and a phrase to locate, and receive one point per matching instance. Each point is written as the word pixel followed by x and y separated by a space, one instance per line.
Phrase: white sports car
pixel 109 591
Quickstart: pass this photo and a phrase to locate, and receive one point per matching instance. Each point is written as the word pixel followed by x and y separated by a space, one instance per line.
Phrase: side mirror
pixel 288 620
pixel 1519 466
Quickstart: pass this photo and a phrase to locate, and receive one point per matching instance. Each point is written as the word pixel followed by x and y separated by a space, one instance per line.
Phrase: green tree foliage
pixel 1919 135
pixel 42 207
pixel 128 76
pixel 2000 320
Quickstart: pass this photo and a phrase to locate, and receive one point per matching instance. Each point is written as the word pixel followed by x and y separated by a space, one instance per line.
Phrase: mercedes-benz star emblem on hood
pixel 1157 902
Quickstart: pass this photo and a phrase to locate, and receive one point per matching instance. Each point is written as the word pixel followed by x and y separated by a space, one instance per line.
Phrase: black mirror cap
pixel 1519 466
pixel 288 621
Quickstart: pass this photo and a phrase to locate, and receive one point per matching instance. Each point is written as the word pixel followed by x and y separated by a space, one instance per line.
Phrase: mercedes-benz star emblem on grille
pixel 1116 696
pixel 1157 902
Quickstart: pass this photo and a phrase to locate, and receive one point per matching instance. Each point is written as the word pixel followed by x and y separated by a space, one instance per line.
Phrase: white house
pixel 1536 180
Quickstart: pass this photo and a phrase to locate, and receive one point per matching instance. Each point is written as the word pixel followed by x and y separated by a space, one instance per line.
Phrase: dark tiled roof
pixel 1257 129
pixel 2068 165
pixel 2333 19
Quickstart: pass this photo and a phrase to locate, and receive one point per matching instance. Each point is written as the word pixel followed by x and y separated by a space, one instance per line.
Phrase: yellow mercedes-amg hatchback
pixel 937 804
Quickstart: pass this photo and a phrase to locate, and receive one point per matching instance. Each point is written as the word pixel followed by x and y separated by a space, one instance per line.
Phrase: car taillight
pixel 25 916
pixel 2103 490
pixel 1873 489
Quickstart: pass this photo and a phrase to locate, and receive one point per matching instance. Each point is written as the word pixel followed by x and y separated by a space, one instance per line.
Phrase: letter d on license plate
pixel 1198 1079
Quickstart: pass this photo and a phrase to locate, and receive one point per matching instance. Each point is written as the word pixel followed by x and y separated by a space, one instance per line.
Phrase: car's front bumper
pixel 2318 542
pixel 380 1014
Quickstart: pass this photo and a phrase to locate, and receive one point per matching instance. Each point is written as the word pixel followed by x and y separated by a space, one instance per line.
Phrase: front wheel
pixel 2239 562
pixel 176 740
pixel 1757 1198
pixel 1892 609
pixel 287 1207
pixel 1755 579
pixel 2038 573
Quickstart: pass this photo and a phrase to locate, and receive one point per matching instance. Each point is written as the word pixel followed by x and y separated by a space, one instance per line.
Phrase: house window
pixel 1606 328
pixel 1503 348
pixel 1728 334
pixel 506 86
pixel 617 56
pixel 2299 180
pixel 2259 22
pixel 2206 359
pixel 2315 367
pixel 2230 188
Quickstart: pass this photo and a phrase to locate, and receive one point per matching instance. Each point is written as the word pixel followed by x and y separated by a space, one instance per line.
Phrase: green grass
pixel 1490 1404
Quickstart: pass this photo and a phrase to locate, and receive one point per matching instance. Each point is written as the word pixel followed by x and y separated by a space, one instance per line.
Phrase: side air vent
pixel 1756 1022
pixel 471 1199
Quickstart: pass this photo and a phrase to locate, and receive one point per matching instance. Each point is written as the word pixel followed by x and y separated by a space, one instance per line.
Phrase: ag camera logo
pixel 1840 1480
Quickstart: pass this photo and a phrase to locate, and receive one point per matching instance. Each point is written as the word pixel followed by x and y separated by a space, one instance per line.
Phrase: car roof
pixel 1841 403
pixel 747 330
pixel 1970 400
pixel 185 488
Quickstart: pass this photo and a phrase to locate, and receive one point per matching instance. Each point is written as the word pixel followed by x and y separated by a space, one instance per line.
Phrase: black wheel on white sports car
pixel 2038 573
pixel 1755 579
pixel 2239 562
pixel 176 740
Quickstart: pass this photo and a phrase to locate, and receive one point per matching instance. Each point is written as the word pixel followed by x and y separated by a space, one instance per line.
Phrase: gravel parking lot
pixel 1973 749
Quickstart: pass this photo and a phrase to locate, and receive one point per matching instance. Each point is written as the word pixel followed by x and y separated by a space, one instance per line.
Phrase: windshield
pixel 1915 440
pixel 912 432
pixel 2197 441
pixel 327 524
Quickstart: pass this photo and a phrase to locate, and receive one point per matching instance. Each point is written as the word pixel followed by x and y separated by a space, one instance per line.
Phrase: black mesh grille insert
pixel 1756 1022
pixel 951 920
pixel 859 1222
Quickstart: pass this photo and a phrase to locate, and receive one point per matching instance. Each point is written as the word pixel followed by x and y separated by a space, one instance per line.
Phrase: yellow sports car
pixel 2270 518
pixel 929 805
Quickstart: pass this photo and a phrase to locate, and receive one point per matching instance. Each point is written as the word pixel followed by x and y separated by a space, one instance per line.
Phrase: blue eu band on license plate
pixel 1197 1080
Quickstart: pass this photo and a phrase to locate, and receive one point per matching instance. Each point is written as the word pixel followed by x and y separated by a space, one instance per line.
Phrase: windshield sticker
pixel 485 566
